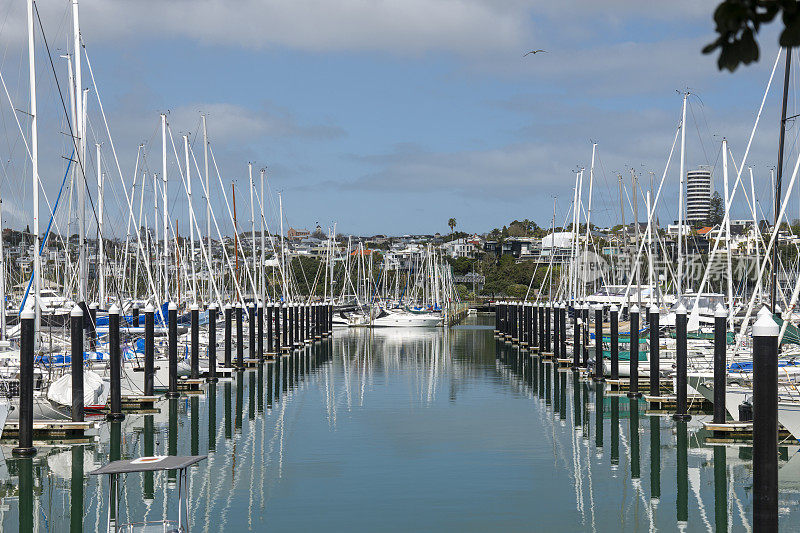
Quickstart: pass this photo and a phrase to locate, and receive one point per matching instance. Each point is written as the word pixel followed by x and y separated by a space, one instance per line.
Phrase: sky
pixel 390 117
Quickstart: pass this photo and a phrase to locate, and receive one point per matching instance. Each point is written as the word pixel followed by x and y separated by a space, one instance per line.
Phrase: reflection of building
pixel 698 195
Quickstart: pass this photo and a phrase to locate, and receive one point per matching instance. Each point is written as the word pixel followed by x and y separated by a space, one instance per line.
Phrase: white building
pixel 459 248
pixel 698 195
pixel 559 239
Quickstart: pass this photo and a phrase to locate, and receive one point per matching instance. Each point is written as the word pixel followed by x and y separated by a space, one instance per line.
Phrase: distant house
pixel 297 234
pixel 459 248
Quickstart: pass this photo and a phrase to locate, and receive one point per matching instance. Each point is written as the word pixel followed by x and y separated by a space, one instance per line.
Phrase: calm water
pixel 405 430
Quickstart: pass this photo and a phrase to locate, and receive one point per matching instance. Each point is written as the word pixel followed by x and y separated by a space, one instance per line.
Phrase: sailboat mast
pixel 101 263
pixel 778 185
pixel 679 279
pixel 37 265
pixel 235 237
pixel 191 217
pixel 727 232
pixel 208 201
pixel 252 222
pixel 263 243
pixel 79 155
pixel 165 213
pixel 283 248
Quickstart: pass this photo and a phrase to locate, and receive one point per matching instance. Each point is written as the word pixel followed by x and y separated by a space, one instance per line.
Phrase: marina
pixel 369 424
pixel 193 336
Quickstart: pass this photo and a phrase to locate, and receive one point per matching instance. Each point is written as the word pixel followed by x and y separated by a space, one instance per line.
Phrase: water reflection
pixel 418 419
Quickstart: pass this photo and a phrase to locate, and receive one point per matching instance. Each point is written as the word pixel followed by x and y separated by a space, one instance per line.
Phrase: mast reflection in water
pixel 404 429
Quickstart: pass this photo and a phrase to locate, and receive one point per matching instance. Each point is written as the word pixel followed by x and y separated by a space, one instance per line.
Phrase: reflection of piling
pixel 634 433
pixel 682 502
pixel 655 458
pixel 212 416
pixel 720 489
pixel 76 487
pixel 25 473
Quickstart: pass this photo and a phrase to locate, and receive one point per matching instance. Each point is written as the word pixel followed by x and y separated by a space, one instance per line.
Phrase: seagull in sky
pixel 534 52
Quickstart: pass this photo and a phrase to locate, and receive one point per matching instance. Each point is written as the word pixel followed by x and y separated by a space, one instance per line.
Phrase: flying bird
pixel 534 52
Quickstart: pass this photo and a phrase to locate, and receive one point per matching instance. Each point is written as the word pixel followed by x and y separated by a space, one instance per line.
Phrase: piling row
pixel 529 326
pixel 290 326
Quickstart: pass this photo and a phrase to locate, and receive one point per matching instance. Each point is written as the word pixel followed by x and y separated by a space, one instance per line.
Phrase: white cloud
pixel 397 26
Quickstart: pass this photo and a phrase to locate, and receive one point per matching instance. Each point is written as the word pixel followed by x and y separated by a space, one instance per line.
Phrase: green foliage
pixel 738 22
pixel 455 236
pixel 452 223
pixel 716 210
pixel 305 271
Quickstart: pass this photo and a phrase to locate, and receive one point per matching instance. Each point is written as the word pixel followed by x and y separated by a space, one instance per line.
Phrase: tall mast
pixel 191 217
pixel 165 213
pixel 636 237
pixel 589 207
pixel 235 237
pixel 283 247
pixel 79 155
pixel 252 223
pixel 778 186
pixel 679 279
pixel 756 232
pixel 573 240
pixel 622 214
pixel 208 201
pixel 101 282
pixel 727 231
pixel 159 271
pixel 37 265
pixel 578 206
pixel 263 244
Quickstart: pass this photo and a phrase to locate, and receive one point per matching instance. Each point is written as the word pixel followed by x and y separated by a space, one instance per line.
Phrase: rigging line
pixel 697 127
pixel 66 113
pixel 47 231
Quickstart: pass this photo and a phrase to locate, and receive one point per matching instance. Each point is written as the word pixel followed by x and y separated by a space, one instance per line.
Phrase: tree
pixel 716 211
pixel 452 224
pixel 738 22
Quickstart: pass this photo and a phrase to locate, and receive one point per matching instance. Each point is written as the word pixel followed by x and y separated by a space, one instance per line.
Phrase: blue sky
pixel 391 117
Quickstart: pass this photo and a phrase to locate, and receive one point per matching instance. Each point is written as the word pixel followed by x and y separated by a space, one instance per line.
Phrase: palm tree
pixel 452 224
